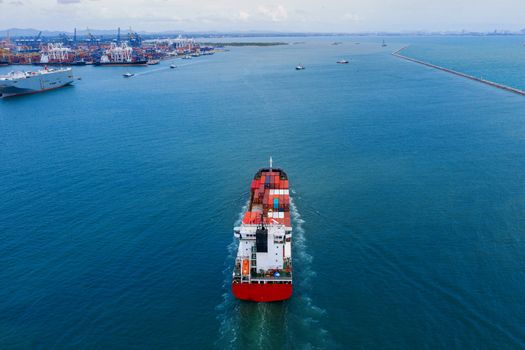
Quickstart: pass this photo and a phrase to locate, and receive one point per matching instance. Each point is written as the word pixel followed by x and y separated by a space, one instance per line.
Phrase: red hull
pixel 262 292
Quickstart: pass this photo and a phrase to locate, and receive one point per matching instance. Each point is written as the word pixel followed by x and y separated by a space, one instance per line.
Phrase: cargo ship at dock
pixel 263 266
pixel 120 55
pixel 58 55
pixel 22 83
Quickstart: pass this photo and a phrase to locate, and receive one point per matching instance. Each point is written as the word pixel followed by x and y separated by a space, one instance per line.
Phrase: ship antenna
pixel 271 162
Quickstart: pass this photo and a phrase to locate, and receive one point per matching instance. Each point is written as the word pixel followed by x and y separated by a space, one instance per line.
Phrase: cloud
pixel 243 15
pixel 275 13
pixel 353 17
pixel 65 2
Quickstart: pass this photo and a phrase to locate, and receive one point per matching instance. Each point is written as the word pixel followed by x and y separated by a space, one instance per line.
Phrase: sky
pixel 258 15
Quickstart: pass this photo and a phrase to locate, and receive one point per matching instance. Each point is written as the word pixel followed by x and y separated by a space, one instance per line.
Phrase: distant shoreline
pixel 218 44
pixel 212 35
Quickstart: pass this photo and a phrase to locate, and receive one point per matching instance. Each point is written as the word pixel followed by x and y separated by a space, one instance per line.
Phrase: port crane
pixel 134 38
pixel 92 39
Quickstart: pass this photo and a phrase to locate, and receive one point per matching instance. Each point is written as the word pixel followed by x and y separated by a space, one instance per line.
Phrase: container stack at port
pixel 86 48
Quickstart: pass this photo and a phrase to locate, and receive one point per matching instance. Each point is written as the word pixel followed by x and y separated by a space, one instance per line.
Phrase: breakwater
pixel 451 71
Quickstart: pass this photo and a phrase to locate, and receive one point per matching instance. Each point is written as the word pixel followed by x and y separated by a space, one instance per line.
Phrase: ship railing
pixel 270 275
pixel 272 280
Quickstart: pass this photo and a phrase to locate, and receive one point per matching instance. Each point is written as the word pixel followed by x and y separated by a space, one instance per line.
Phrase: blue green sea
pixel 118 198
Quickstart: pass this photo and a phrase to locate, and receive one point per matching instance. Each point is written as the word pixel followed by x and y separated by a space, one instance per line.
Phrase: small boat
pixel 300 67
pixel 383 44
pixel 173 66
pixel 342 61
pixel 128 75
pixel 186 57
pixel 153 62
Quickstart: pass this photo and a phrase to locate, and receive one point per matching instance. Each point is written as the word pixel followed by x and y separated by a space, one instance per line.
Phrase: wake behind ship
pixel 263 267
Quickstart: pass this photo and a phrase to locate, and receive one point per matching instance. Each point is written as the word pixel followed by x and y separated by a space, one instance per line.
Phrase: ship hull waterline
pixel 121 64
pixel 21 92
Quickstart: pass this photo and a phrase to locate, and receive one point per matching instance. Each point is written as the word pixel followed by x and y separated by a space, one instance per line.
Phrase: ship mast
pixel 271 162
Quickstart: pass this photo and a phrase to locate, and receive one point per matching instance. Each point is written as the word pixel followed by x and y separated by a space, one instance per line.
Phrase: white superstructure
pixel 278 248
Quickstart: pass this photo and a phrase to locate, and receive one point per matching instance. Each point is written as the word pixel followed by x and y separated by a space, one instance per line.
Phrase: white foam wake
pixel 307 316
pixel 228 309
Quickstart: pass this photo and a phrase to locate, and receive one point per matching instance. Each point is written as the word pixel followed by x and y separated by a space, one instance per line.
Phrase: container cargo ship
pixel 120 55
pixel 21 83
pixel 58 55
pixel 263 267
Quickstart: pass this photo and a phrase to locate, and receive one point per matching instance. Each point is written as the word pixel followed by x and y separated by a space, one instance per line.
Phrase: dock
pixel 460 74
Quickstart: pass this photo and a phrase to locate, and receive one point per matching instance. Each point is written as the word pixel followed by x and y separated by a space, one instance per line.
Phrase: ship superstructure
pixel 263 266
pixel 20 83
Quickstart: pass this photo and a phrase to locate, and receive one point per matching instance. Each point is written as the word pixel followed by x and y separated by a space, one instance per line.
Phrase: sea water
pixel 118 197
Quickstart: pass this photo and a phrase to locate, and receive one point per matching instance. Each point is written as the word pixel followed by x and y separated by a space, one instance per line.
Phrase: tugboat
pixel 263 267
pixel 128 75
pixel 342 61
pixel 300 67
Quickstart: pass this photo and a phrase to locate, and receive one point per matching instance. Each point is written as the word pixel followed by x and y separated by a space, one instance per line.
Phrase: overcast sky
pixel 282 15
